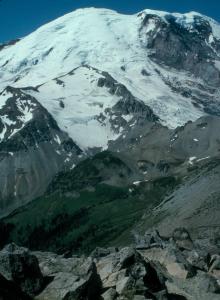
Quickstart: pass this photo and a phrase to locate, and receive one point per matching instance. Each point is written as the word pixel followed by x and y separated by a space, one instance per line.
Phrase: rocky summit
pixel 153 267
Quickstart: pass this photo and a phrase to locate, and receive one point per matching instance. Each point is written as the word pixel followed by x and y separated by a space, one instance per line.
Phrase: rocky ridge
pixel 32 149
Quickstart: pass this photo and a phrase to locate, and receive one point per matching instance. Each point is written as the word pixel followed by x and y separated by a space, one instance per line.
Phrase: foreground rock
pixel 157 268
pixel 73 278
pixel 201 287
pixel 9 290
pixel 19 268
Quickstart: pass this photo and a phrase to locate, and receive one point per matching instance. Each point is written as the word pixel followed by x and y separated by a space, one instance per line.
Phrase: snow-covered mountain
pixel 100 76
pixel 154 54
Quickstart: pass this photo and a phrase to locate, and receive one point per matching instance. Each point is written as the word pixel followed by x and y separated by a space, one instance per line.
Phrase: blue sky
pixel 20 17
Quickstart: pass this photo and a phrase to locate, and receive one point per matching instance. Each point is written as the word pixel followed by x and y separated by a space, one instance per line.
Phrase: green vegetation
pixel 90 172
pixel 79 224
pixel 79 212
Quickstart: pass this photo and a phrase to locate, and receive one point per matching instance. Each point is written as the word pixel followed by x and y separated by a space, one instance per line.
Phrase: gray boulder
pixel 51 264
pixel 182 239
pixel 201 287
pixel 73 278
pixel 110 294
pixel 170 261
pixel 111 268
pixel 149 240
pixel 19 266
pixel 101 252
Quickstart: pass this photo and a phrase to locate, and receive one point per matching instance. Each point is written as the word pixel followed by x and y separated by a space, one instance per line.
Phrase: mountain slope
pixel 32 149
pixel 194 204
pixel 97 80
pixel 168 176
pixel 91 109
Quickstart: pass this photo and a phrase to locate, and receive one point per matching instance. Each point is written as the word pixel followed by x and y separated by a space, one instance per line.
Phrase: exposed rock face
pixel 10 43
pixel 178 47
pixel 32 149
pixel 157 151
pixel 194 49
pixel 153 271
pixel 127 105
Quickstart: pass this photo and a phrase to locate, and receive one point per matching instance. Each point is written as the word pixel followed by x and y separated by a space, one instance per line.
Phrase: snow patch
pixel 137 183
pixel 57 139
pixel 204 158
pixel 192 159
pixel 217 64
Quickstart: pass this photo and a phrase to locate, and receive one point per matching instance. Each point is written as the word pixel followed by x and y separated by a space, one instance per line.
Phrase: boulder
pixel 110 267
pixel 182 239
pixel 171 260
pixel 83 283
pixel 110 294
pixel 128 273
pixel 125 284
pixel 51 264
pixel 197 259
pixel 214 263
pixel 200 287
pixel 102 252
pixel 207 246
pixel 214 267
pixel 149 240
pixel 167 269
pixel 21 267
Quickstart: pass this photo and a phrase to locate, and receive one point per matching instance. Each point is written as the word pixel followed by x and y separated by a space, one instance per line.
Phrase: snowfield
pixel 75 101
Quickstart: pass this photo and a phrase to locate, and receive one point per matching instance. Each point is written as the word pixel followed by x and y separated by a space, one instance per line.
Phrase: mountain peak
pixel 133 49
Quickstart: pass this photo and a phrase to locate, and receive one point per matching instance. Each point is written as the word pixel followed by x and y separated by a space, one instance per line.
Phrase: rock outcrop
pixel 158 268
